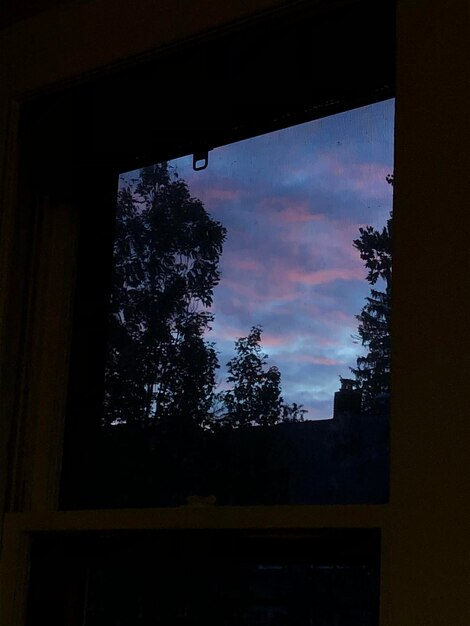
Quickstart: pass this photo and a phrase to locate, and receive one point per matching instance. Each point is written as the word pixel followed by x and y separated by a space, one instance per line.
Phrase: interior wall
pixel 430 328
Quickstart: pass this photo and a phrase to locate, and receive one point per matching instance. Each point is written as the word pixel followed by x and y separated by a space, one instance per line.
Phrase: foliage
pixel 372 372
pixel 254 398
pixel 166 255
pixel 161 369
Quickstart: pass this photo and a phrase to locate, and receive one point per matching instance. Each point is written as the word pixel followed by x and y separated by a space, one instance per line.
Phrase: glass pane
pixel 326 578
pixel 248 355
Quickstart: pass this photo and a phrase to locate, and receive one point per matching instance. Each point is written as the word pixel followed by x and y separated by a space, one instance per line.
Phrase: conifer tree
pixel 372 371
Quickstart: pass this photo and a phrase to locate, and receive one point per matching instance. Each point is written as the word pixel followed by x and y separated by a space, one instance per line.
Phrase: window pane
pixel 326 578
pixel 248 355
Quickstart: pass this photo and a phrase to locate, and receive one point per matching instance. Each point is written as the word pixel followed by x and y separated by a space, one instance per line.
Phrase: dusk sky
pixel 292 202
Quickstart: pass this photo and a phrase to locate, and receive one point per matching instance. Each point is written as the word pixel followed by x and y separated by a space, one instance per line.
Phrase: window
pixel 239 300
pixel 249 578
pixel 424 536
pixel 86 186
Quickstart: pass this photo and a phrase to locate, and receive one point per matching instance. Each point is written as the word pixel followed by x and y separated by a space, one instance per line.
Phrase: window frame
pixel 55 266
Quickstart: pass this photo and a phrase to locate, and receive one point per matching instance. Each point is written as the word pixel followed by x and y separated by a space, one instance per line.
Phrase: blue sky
pixel 292 202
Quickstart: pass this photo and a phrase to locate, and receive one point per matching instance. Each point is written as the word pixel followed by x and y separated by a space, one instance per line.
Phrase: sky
pixel 293 202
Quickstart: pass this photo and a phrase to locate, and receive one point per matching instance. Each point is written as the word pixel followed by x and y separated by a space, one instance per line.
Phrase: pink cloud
pixel 339 316
pixel 288 210
pixel 307 357
pixel 368 178
pixel 262 291
pixel 326 342
pixel 298 215
pixel 218 193
pixel 274 341
pixel 325 361
pixel 333 242
pixel 246 264
pixel 213 195
pixel 369 175
pixel 321 277
pixel 229 333
pixel 268 340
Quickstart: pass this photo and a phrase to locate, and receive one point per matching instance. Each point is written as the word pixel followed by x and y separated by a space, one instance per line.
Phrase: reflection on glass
pixel 243 296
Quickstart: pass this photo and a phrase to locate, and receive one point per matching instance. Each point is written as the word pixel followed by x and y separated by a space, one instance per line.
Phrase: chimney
pixel 348 399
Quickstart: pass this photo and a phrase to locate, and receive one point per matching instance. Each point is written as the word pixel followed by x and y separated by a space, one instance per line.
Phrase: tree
pixel 254 398
pixel 372 372
pixel 167 248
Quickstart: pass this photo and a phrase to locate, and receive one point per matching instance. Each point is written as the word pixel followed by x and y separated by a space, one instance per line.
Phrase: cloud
pixel 212 194
pixel 367 178
pixel 321 277
pixel 246 264
pixel 318 360
pixel 263 291
pixel 271 340
pixel 288 208
pixel 228 333
pixel 296 214
pixel 292 203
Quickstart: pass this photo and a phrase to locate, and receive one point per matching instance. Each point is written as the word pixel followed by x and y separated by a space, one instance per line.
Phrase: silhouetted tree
pixel 254 398
pixel 166 255
pixel 372 371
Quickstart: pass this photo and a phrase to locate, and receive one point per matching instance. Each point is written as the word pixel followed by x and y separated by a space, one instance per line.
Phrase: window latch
pixel 200 160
